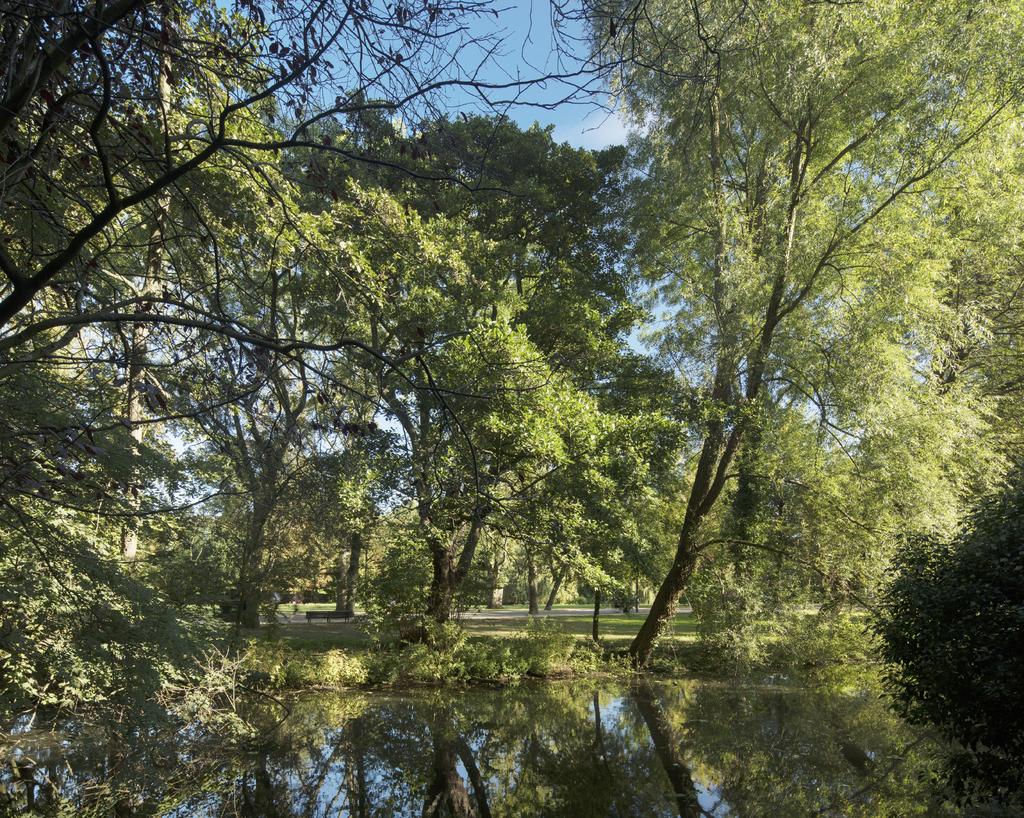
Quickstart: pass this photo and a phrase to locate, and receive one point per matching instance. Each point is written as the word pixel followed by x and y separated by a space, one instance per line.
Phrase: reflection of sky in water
pixel 697 750
pixel 710 798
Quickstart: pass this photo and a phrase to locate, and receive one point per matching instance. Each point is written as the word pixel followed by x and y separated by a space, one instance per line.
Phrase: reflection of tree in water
pixel 560 751
pixel 446 794
pixel 777 750
pixel 99 771
pixel 667 745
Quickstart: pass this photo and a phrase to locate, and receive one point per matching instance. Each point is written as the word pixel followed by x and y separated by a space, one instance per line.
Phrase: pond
pixel 688 748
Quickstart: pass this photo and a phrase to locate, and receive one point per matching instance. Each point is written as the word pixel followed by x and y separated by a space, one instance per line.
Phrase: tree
pixel 784 151
pixel 487 343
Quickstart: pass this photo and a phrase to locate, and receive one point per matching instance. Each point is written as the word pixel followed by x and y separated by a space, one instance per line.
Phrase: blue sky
pixel 531 47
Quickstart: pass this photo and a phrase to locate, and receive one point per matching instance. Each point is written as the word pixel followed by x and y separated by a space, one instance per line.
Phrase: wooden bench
pixel 329 615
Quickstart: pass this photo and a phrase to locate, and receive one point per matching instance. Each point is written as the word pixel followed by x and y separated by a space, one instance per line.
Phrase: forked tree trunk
pixel 447 573
pixel 721 443
pixel 442 586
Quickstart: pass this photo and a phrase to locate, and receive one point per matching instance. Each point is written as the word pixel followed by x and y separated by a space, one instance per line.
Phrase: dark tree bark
pixel 447 573
pixel 250 589
pixel 597 615
pixel 346 604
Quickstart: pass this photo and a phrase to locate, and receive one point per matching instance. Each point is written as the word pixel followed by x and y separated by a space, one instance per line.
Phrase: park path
pixel 502 614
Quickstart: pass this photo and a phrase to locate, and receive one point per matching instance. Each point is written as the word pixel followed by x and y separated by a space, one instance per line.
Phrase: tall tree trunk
pixel 339 576
pixel 558 577
pixel 355 553
pixel 595 626
pixel 250 582
pixel 135 376
pixel 664 606
pixel 442 585
pixel 748 501
pixel 531 583
pixel 249 599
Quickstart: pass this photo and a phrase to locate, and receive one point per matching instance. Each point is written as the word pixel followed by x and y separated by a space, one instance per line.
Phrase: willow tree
pixel 789 145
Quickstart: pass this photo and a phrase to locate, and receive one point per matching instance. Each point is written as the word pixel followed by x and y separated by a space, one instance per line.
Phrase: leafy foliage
pixel 951 631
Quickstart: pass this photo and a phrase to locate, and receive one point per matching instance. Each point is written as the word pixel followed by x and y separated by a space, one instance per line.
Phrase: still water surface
pixel 688 748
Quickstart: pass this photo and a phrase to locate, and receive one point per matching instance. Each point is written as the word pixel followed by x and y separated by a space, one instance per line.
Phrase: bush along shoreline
pixel 446 654
pixel 542 649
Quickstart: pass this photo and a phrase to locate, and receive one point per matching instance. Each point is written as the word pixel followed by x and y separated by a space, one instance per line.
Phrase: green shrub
pixel 495 660
pixel 588 657
pixel 734 625
pixel 546 646
pixel 815 640
pixel 541 649
pixel 339 669
pixel 951 631
pixel 438 657
pixel 275 665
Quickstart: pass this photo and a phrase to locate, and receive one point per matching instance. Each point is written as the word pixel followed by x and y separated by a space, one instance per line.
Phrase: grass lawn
pixel 317 635
pixel 615 629
pixel 287 607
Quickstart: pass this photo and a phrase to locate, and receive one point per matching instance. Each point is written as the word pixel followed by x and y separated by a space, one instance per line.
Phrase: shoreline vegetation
pixel 508 650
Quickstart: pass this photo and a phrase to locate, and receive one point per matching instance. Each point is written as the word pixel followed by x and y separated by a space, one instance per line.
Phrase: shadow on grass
pixel 615 629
